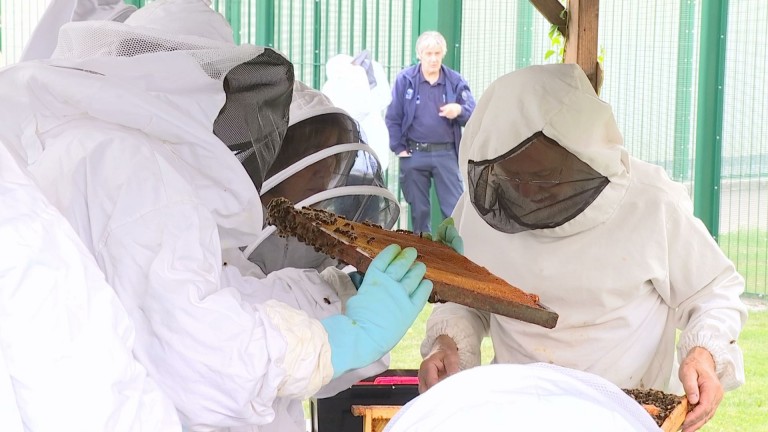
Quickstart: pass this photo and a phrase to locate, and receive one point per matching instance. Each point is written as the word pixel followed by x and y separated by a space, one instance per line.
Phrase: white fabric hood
pixel 559 101
pixel 42 41
pixel 174 96
pixel 308 102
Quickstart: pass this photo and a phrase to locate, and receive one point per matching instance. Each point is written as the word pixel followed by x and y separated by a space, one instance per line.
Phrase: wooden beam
pixel 552 10
pixel 581 40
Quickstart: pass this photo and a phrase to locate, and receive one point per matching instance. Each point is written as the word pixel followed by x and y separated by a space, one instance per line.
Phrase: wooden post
pixel 581 40
pixel 552 10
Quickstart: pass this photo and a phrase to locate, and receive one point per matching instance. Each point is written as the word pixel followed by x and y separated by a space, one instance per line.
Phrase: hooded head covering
pixel 250 116
pixel 540 149
pixel 323 163
pixel 359 85
pixel 329 165
pixel 254 118
pixel 42 41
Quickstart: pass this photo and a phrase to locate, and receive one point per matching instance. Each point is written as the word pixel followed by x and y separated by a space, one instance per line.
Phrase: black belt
pixel 414 146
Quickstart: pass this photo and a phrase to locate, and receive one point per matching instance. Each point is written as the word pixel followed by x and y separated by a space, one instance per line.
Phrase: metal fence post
pixel 681 166
pixel 523 29
pixel 137 3
pixel 709 121
pixel 443 16
pixel 265 23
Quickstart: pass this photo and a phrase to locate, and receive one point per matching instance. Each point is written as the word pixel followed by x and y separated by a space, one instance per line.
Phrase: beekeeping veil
pixel 325 164
pixel 250 118
pixel 540 149
pixel 253 120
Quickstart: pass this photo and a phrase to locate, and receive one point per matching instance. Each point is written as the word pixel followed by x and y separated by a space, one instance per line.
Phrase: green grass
pixel 748 249
pixel 744 409
pixel 406 354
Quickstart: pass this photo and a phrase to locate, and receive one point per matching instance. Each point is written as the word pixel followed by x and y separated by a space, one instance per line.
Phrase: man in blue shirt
pixel 430 105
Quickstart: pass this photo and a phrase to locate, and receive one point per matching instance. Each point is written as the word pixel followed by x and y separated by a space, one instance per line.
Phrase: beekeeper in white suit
pixel 116 129
pixel 359 85
pixel 556 206
pixel 322 163
pixel 65 340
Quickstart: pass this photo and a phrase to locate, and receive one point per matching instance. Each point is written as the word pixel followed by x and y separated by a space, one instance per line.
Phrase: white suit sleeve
pixel 65 339
pixel 466 326
pixel 221 359
pixel 319 298
pixel 344 289
pixel 704 288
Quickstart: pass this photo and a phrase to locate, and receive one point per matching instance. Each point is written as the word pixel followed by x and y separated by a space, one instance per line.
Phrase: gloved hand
pixel 357 278
pixel 448 234
pixel 388 301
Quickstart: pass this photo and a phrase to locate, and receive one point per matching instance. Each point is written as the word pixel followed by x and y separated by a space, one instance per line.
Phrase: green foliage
pixel 557 40
pixel 746 408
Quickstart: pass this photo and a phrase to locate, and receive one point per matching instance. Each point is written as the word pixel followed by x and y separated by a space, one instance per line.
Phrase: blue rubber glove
pixel 448 234
pixel 388 301
pixel 357 278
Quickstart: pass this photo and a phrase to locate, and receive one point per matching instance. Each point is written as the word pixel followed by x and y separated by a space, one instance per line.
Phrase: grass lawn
pixel 744 409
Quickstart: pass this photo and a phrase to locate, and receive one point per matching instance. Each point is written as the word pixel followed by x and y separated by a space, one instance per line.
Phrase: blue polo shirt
pixel 427 124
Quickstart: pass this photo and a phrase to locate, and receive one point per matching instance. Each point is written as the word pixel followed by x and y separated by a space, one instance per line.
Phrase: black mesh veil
pixel 324 160
pixel 536 185
pixel 314 134
pixel 254 118
pixel 360 202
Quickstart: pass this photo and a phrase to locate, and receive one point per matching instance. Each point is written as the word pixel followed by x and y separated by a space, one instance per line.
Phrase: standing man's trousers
pixel 416 172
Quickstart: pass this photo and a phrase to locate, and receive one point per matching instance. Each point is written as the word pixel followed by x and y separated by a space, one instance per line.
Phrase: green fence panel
pixel 650 53
pixel 743 228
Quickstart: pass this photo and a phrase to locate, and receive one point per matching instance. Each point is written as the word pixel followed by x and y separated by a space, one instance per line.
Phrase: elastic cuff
pixel 469 350
pixel 341 283
pixel 730 373
pixel 307 361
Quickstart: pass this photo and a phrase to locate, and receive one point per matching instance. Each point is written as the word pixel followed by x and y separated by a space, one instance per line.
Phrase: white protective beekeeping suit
pixel 360 86
pixel 624 262
pixel 117 130
pixel 353 188
pixel 535 397
pixel 326 165
pixel 42 42
pixel 65 340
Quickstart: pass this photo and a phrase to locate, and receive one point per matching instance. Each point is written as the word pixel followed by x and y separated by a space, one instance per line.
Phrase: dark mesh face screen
pixel 312 135
pixel 536 185
pixel 254 118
